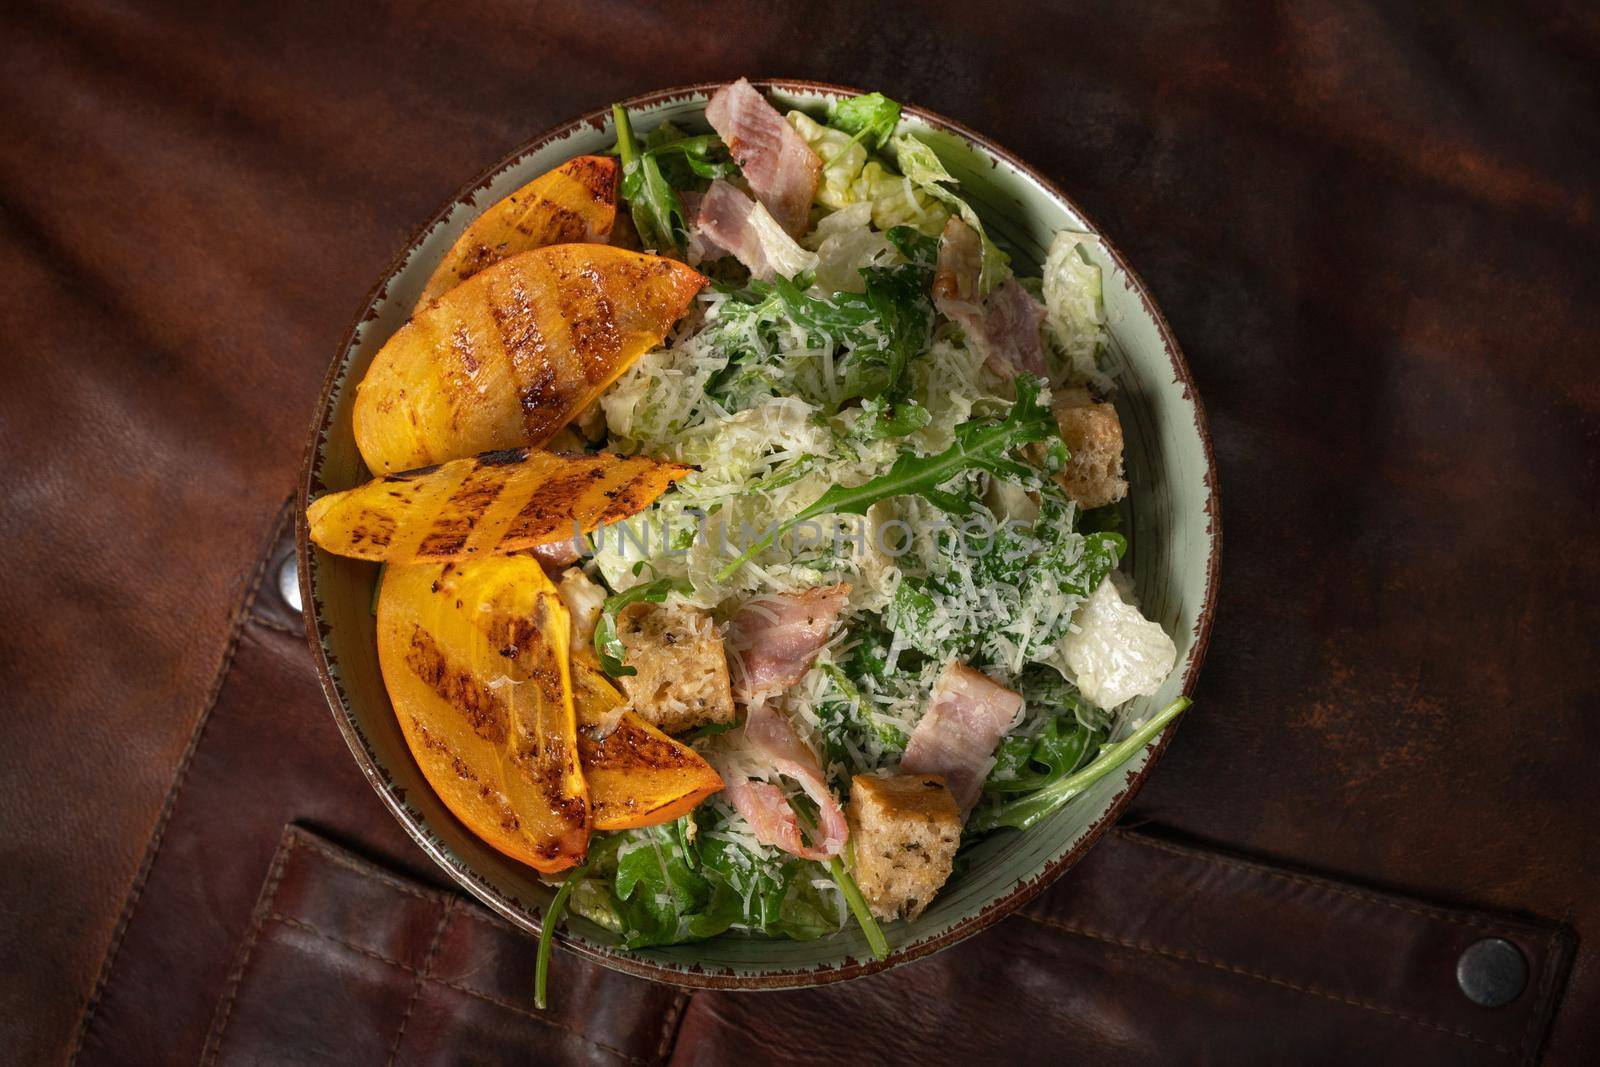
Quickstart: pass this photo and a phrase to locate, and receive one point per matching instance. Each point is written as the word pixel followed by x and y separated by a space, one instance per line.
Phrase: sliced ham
pixel 780 167
pixel 728 223
pixel 769 739
pixel 1005 327
pixel 774 639
pixel 968 714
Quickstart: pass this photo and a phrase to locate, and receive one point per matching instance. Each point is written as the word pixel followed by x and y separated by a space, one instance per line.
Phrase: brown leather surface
pixel 249 942
pixel 344 963
pixel 1374 232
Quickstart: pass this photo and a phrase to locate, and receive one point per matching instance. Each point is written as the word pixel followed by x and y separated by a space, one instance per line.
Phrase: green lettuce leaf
pixel 919 163
pixel 872 118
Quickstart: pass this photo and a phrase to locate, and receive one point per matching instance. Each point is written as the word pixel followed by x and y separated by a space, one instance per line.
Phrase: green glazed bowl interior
pixel 1171 523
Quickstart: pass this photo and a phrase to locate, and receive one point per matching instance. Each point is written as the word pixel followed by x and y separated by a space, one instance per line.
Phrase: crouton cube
pixel 905 828
pixel 681 678
pixel 1093 434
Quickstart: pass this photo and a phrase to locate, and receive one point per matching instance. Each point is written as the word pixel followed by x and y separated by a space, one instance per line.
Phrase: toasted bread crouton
pixel 1093 434
pixel 682 672
pixel 906 828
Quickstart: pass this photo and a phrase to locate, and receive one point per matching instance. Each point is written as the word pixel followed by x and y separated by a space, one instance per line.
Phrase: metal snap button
pixel 289 582
pixel 1492 972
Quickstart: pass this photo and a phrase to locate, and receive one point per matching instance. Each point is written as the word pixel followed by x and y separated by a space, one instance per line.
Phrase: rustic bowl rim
pixel 848 968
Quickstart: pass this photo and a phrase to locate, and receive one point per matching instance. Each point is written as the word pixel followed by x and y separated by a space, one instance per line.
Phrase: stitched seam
pixel 494 922
pixel 1548 972
pixel 536 1017
pixel 669 1027
pixel 422 976
pixel 1306 880
pixel 300 924
pixel 279 627
pixel 1528 1043
pixel 158 834
pixel 1230 968
pixel 269 894
pixel 343 859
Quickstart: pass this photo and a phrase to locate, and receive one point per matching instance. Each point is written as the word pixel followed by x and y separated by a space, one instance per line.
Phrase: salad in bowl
pixel 753 532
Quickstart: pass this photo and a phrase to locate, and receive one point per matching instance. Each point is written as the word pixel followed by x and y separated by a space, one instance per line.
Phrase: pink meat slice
pixel 1005 328
pixel 769 736
pixel 968 713
pixel 721 226
pixel 779 166
pixel 557 554
pixel 701 247
pixel 775 639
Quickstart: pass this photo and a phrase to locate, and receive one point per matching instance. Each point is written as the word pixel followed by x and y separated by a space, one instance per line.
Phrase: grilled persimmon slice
pixel 514 353
pixel 575 202
pixel 491 504
pixel 637 775
pixel 475 659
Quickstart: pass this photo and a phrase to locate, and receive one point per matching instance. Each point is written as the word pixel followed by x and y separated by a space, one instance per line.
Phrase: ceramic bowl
pixel 1171 526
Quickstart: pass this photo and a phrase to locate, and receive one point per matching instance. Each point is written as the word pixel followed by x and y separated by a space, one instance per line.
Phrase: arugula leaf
pixel 1039 572
pixel 919 163
pixel 547 932
pixel 1024 811
pixel 670 884
pixel 858 907
pixel 881 418
pixel 910 614
pixel 915 245
pixel 869 658
pixel 607 645
pixel 843 715
pixel 684 158
pixel 1043 687
pixel 785 473
pixel 657 212
pixel 980 444
pixel 1061 745
pixel 872 117
pixel 710 729
pixel 879 332
pixel 900 298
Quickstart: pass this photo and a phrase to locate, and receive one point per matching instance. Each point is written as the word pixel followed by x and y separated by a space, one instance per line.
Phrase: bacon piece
pixel 1012 321
pixel 767 811
pixel 557 554
pixel 1005 328
pixel 770 738
pixel 774 639
pixel 780 167
pixel 701 248
pixel 728 223
pixel 955 276
pixel 967 715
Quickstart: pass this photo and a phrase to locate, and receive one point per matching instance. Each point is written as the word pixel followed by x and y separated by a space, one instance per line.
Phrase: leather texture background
pixel 1374 232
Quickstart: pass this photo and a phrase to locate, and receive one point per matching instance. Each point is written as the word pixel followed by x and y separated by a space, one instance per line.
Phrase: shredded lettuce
pixel 851 176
